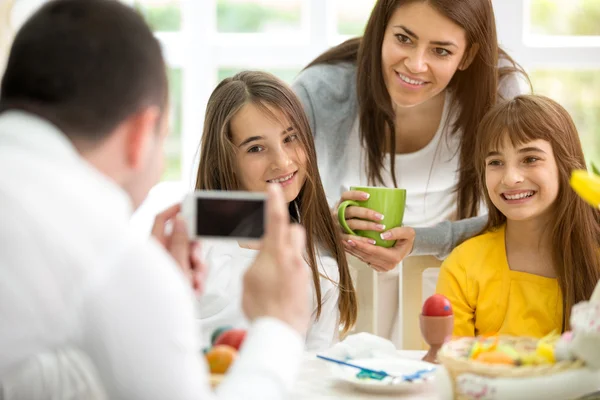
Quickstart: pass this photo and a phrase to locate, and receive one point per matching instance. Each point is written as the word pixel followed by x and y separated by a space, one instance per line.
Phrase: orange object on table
pixel 220 357
pixel 495 357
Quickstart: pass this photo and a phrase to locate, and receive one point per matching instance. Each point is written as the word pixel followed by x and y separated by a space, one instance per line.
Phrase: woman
pixel 400 107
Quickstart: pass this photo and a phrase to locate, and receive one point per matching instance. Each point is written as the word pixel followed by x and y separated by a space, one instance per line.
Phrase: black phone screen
pixel 221 217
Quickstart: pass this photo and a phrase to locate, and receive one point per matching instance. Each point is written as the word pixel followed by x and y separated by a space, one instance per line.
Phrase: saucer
pixel 393 366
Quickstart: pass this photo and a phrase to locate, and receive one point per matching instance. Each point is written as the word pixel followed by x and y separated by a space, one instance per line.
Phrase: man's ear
pixel 469 57
pixel 142 131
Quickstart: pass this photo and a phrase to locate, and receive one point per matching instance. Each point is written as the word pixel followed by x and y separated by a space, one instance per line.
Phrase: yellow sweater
pixel 487 297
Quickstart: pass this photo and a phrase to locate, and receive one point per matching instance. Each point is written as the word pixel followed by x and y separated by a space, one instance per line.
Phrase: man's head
pixel 94 69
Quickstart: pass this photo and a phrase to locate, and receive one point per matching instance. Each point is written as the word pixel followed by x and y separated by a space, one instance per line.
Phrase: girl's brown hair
pixel 217 171
pixel 575 226
pixel 475 89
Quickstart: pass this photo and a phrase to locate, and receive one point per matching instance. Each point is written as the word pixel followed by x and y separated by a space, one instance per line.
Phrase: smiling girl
pixel 256 134
pixel 539 254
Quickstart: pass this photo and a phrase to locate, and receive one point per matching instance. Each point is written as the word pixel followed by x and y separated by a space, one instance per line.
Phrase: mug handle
pixel 341 212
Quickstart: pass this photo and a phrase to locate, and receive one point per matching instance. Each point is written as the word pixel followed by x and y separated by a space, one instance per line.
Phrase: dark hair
pixel 475 88
pixel 574 226
pixel 217 171
pixel 84 65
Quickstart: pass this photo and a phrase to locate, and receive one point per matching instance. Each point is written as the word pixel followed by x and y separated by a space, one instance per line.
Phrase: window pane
pixel 173 144
pixel 258 16
pixel 577 91
pixel 352 16
pixel 161 15
pixel 565 17
pixel 286 75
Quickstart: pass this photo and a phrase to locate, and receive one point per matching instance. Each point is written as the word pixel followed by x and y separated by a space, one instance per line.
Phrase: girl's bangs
pixel 518 125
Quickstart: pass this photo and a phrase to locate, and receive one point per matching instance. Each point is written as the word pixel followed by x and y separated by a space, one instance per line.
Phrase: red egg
pixel 437 306
pixel 232 337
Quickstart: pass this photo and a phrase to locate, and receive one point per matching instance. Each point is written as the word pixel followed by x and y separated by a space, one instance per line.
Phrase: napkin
pixel 362 345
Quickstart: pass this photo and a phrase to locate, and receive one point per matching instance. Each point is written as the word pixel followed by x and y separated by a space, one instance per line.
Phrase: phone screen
pixel 226 217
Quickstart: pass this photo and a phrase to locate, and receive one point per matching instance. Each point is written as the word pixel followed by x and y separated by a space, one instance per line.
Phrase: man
pixel 83 108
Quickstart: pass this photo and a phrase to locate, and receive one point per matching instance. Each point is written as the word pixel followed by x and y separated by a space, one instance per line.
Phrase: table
pixel 316 382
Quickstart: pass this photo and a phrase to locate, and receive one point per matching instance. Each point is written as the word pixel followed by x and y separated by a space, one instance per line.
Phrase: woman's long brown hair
pixel 575 226
pixel 217 171
pixel 475 89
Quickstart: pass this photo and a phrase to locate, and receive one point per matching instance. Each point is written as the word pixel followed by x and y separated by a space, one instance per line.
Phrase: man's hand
pixel 187 254
pixel 277 283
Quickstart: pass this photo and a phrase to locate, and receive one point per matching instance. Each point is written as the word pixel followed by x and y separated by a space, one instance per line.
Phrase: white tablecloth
pixel 316 382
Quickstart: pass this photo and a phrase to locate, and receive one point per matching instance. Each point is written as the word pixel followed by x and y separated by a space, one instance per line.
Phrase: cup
pixel 435 331
pixel 389 202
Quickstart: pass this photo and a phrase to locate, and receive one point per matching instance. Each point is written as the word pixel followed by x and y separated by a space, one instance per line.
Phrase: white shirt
pixel 72 273
pixel 429 175
pixel 221 302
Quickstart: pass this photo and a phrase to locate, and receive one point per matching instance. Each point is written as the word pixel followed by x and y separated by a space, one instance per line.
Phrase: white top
pixel 221 303
pixel 72 273
pixel 428 175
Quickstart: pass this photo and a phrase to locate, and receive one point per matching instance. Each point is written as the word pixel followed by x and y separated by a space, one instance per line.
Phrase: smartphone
pixel 223 214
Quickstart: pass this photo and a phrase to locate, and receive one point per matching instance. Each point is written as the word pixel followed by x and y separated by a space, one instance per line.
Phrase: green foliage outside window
pixel 172 169
pixel 579 93
pixel 161 17
pixel 247 17
pixel 565 17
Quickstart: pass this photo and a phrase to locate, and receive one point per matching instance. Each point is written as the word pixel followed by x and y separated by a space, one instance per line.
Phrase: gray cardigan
pixel 328 94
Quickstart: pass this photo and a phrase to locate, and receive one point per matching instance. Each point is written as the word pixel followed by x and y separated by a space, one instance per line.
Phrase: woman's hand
pixel 360 218
pixel 382 259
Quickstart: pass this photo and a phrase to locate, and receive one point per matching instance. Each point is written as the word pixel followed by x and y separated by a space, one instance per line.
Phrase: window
pixel 259 16
pixel 579 92
pixel 564 17
pixel 173 144
pixel 164 17
pixel 352 16
pixel 161 15
pixel 577 88
pixel 559 44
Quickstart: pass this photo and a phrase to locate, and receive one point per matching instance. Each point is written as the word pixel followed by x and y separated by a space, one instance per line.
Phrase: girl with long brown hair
pixel 540 251
pixel 399 107
pixel 256 133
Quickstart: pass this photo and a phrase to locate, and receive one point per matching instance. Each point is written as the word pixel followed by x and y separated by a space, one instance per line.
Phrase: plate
pixel 393 366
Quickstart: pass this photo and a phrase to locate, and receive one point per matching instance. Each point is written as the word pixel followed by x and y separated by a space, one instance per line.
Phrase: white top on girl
pixel 221 303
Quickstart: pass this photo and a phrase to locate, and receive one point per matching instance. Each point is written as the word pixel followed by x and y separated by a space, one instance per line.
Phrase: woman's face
pixel 421 51
pixel 268 150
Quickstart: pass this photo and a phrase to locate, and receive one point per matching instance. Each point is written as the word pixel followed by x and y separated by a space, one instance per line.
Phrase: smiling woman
pixel 399 107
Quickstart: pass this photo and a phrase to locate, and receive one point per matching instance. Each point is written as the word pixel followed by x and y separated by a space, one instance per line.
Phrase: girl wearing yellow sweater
pixel 538 255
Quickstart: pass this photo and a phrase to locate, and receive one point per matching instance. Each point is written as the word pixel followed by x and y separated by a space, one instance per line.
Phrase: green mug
pixel 389 202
